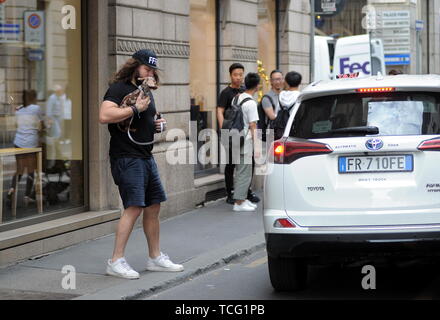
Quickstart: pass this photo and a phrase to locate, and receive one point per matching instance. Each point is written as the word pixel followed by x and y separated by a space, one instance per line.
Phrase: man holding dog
pixel 133 167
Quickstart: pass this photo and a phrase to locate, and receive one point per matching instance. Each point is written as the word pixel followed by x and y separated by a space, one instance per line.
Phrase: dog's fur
pixel 130 100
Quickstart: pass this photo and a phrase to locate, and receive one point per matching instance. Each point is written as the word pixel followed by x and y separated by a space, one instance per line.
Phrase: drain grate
pixel 215 195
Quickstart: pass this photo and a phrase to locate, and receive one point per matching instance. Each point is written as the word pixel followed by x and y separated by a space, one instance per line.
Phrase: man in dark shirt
pixel 236 71
pixel 132 164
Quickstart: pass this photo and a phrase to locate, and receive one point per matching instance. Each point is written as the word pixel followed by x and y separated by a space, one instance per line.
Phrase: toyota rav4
pixel 355 175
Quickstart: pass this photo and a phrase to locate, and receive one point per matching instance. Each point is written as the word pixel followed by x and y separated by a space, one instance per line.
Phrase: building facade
pixel 56 58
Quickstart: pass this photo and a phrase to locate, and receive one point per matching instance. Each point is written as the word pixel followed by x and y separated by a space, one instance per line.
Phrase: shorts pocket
pixel 116 172
pixel 118 166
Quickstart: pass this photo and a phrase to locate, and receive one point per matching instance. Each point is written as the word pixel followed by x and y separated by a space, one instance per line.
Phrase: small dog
pixel 130 100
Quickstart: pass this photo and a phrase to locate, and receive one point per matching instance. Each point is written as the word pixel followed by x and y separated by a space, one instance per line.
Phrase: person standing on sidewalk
pixel 271 102
pixel 243 175
pixel 236 72
pixel 288 99
pixel 133 167
pixel 29 118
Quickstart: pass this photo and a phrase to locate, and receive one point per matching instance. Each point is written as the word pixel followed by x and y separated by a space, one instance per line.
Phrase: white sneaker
pixel 120 268
pixel 163 263
pixel 251 204
pixel 243 207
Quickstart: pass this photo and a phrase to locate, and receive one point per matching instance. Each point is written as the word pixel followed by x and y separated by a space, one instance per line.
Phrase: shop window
pixel 267 48
pixel 41 140
pixel 203 86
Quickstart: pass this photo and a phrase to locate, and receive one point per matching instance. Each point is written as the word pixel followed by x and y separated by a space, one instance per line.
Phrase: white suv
pixel 354 175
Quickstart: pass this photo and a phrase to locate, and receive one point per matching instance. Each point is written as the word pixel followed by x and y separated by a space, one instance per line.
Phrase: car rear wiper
pixel 359 130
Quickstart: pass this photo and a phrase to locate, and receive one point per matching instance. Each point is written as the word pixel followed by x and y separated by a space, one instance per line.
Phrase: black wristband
pixel 135 111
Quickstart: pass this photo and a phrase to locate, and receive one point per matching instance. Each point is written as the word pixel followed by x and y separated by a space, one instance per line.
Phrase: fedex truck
pixel 324 52
pixel 352 55
pixel 349 55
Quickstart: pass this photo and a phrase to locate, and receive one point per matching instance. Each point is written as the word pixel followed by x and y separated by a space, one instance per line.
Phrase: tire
pixel 287 274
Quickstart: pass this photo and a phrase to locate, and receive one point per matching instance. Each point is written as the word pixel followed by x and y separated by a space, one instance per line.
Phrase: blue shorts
pixel 138 181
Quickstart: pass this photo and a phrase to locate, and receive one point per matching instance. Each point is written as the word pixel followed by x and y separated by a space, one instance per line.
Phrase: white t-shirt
pixel 250 114
pixel 28 125
pixel 59 107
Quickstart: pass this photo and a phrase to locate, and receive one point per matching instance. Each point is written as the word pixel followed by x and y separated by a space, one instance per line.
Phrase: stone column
pixel 103 194
pixel 434 37
pixel 162 26
pixel 238 36
pixel 294 39
pixel 238 42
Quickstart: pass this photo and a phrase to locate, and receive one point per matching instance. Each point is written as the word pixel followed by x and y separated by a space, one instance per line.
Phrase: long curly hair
pixel 129 71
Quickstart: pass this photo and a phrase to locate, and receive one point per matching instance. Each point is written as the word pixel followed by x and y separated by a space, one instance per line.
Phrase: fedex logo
pixel 347 67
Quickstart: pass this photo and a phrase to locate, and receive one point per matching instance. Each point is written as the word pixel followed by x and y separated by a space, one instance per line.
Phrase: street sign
pixel 396 41
pixel 397 59
pixel 392 32
pixel 35 55
pixel 420 24
pixel 393 27
pixel 395 15
pixel 394 24
pixel 34 33
pixel 9 32
pixel 397 49
pixel 328 5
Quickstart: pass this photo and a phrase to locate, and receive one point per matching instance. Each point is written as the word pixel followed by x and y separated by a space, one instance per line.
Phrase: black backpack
pixel 233 120
pixel 264 123
pixel 280 122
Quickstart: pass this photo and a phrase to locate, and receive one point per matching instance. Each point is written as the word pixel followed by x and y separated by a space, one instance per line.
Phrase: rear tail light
pixel 430 145
pixel 373 90
pixel 285 152
pixel 284 223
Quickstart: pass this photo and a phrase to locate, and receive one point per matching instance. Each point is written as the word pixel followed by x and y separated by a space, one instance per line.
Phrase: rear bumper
pixel 408 244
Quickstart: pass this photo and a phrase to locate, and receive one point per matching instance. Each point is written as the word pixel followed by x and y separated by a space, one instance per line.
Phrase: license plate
pixel 397 163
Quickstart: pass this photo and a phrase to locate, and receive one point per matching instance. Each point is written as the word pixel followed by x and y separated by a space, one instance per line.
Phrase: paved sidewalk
pixel 201 240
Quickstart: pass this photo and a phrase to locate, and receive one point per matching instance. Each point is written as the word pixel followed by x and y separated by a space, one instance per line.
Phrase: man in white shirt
pixel 243 174
pixel 57 109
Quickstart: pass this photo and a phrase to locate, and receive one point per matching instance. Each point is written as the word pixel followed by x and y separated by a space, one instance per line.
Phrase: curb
pixel 152 283
pixel 193 274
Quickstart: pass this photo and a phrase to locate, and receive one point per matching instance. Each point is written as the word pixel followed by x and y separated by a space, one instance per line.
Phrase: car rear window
pixel 397 113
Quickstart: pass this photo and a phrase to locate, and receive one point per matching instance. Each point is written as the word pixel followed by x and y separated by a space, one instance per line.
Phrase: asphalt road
pixel 248 279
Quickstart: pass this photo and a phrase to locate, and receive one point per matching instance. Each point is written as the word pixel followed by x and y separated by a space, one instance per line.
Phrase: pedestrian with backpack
pixel 287 102
pixel 270 105
pixel 236 72
pixel 243 175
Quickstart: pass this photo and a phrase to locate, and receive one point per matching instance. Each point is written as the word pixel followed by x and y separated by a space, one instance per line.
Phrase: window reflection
pixel 40 109
pixel 267 37
pixel 203 73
